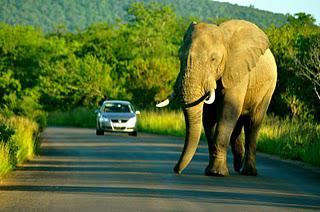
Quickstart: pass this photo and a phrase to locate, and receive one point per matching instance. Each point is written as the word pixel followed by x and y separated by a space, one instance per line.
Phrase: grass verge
pixel 291 139
pixel 162 122
pixel 18 142
pixel 287 138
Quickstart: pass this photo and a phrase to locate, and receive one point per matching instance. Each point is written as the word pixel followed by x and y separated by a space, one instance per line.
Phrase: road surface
pixel 79 171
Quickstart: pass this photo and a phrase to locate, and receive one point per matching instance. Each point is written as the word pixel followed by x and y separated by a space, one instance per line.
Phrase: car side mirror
pixel 97 111
pixel 138 112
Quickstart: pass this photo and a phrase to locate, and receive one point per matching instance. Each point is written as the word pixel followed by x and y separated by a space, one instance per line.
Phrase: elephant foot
pixel 249 171
pixel 237 163
pixel 220 170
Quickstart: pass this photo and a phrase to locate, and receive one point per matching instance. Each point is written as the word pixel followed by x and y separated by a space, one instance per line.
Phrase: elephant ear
pixel 246 43
pixel 187 37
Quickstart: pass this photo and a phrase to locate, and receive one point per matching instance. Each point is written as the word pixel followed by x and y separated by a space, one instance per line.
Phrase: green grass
pixel 290 139
pixel 162 122
pixel 21 145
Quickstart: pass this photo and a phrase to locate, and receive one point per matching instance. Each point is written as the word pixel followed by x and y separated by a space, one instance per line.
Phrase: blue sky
pixel 283 6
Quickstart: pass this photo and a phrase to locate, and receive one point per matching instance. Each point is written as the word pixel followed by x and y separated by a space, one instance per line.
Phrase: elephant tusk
pixel 167 101
pixel 163 103
pixel 211 98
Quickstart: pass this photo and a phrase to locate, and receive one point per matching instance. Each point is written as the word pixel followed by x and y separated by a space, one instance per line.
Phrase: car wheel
pixel 133 133
pixel 99 132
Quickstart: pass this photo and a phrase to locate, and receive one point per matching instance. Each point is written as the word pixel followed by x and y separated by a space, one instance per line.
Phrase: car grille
pixel 119 120
pixel 119 128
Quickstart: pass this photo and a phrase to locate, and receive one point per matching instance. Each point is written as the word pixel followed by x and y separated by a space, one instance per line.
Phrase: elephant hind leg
pixel 251 128
pixel 237 145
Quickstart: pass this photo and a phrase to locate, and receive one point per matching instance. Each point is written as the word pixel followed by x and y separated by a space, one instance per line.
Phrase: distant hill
pixel 78 14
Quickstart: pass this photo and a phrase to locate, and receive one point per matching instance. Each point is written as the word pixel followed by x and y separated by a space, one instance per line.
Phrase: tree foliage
pixel 50 15
pixel 135 59
pixel 295 45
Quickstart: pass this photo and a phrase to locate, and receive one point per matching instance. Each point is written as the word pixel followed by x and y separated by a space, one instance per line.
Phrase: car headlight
pixel 104 118
pixel 132 121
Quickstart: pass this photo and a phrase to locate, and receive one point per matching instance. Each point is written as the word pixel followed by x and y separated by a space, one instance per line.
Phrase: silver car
pixel 117 116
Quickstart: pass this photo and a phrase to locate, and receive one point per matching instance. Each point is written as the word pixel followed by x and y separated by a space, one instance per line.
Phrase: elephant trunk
pixel 193 120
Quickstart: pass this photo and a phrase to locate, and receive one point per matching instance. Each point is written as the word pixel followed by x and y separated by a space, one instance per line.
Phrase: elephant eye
pixel 214 57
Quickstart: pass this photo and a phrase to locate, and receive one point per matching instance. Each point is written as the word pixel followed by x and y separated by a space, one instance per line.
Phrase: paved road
pixel 79 171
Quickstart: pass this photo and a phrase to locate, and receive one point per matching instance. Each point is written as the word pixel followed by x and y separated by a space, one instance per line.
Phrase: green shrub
pixel 79 117
pixel 5 133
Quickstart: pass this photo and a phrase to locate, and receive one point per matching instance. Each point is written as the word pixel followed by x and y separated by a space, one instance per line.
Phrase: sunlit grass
pixel 21 145
pixel 5 165
pixel 291 139
pixel 162 122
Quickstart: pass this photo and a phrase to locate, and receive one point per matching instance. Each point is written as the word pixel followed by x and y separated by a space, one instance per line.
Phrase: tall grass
pixel 292 139
pixel 5 159
pixel 162 122
pixel 21 145
pixel 287 138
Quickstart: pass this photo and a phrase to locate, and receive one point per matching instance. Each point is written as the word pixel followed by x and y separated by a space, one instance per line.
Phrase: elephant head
pixel 209 53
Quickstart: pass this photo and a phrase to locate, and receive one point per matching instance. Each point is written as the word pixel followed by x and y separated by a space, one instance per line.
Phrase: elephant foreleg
pixel 222 135
pixel 209 123
pixel 218 158
pixel 228 114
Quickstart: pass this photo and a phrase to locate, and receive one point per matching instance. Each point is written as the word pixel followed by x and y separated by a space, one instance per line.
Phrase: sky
pixel 283 6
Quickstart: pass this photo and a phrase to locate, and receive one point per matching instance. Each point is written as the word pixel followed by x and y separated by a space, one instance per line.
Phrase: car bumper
pixel 109 126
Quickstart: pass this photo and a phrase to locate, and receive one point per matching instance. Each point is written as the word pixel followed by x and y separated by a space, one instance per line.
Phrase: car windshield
pixel 117 108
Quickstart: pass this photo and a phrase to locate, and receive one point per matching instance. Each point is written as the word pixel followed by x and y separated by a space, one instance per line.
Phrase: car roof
pixel 117 101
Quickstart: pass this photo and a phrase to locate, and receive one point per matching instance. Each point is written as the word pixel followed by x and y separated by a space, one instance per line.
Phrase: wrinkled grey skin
pixel 234 60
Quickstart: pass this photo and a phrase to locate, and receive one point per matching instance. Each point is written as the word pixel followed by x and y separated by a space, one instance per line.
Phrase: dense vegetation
pixel 64 70
pixel 77 14
pixel 135 60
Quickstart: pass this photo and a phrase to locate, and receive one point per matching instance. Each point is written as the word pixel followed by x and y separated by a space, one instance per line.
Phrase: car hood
pixel 118 115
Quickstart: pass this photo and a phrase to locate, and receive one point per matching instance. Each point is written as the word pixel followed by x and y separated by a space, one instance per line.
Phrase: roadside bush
pixel 18 141
pixel 8 148
pixel 78 117
pixel 5 133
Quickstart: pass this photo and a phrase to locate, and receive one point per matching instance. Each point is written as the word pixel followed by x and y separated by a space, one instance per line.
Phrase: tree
pixel 301 19
pixel 292 45
pixel 147 57
pixel 308 60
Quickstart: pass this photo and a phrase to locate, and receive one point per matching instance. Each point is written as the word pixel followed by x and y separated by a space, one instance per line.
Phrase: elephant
pixel 226 80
